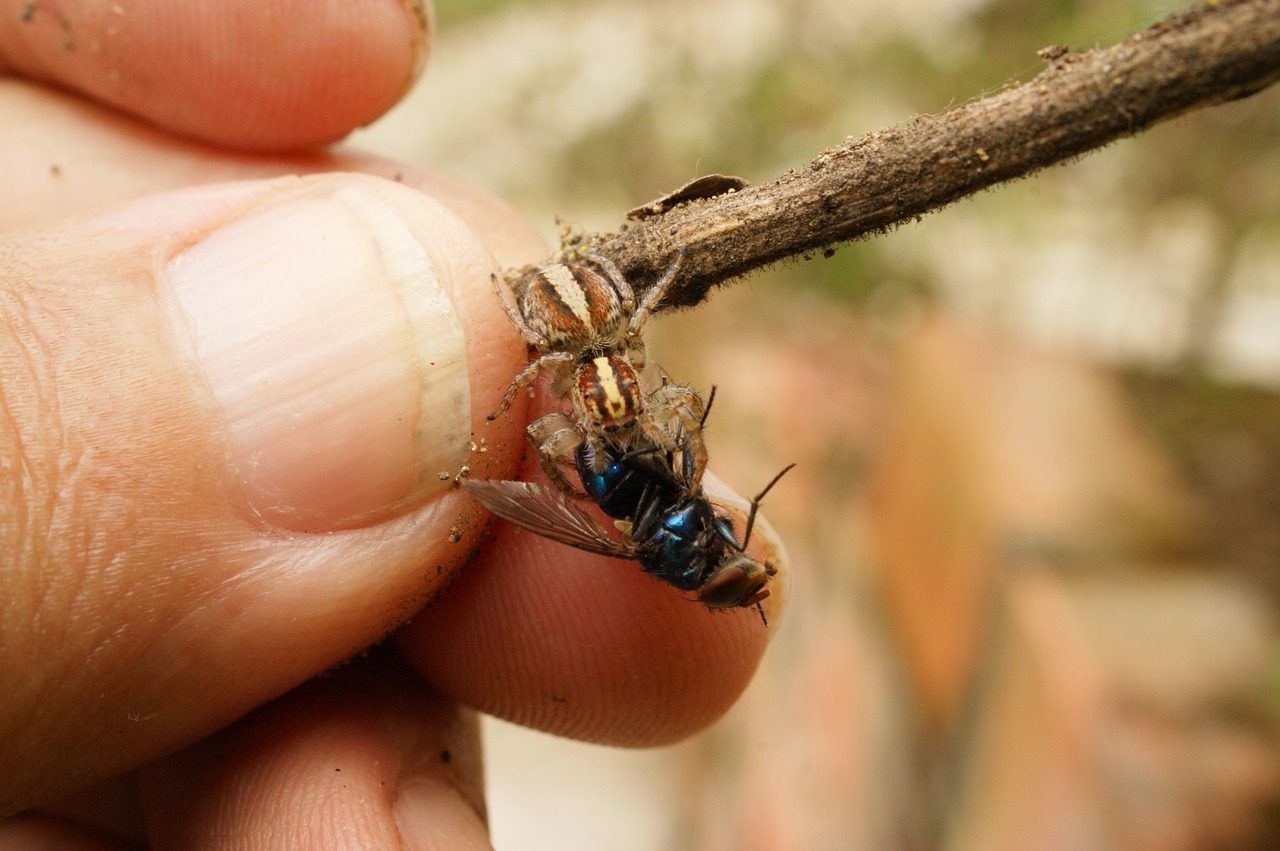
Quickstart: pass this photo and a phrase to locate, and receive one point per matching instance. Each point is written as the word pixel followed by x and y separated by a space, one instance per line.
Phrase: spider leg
pixel 675 409
pixel 554 436
pixel 526 377
pixel 616 278
pixel 654 297
pixel 513 313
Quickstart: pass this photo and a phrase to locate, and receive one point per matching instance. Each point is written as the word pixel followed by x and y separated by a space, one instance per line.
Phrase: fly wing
pixel 549 513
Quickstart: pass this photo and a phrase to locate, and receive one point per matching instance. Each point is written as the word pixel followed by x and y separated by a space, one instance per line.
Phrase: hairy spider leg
pixel 513 313
pixel 614 274
pixel 526 377
pixel 654 297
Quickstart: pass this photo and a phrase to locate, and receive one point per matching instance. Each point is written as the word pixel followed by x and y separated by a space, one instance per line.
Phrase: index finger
pixel 251 75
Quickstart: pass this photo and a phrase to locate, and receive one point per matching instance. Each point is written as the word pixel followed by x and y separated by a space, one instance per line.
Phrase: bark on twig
pixel 1209 54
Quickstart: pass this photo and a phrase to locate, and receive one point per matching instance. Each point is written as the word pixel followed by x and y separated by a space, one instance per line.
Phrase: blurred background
pixel 1035 522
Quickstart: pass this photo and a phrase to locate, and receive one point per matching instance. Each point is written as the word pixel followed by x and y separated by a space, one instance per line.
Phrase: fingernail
pixel 432 816
pixel 422 18
pixel 333 352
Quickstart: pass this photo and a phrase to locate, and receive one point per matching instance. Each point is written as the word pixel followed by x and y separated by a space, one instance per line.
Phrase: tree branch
pixel 1212 53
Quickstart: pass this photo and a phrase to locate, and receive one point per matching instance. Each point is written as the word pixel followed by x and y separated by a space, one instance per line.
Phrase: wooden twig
pixel 1209 54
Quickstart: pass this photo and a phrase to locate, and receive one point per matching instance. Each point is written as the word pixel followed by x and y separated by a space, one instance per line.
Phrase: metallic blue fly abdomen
pixel 626 482
pixel 617 488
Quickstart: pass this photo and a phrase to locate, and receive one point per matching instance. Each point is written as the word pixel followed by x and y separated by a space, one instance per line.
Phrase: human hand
pixel 227 393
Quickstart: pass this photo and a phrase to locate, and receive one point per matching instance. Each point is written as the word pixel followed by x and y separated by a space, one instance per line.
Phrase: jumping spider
pixel 586 329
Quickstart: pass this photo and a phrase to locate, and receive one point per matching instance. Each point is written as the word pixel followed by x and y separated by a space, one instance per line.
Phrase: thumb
pixel 230 422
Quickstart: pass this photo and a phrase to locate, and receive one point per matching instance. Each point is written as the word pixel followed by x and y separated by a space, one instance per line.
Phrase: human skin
pixel 176 576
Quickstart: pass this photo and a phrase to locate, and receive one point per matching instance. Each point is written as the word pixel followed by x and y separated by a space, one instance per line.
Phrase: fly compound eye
pixel 740 581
